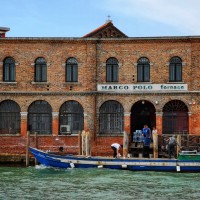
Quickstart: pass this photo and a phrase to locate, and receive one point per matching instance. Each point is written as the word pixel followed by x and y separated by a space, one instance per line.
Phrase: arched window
pixel 71 118
pixel 111 118
pixel 9 117
pixel 143 70
pixel 175 117
pixel 9 70
pixel 175 70
pixel 40 70
pixel 71 74
pixel 112 69
pixel 40 117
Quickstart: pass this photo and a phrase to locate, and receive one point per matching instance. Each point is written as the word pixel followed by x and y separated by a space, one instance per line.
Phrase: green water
pixel 102 184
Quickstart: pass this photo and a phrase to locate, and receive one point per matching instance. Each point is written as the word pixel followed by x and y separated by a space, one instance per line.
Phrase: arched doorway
pixel 175 117
pixel 142 112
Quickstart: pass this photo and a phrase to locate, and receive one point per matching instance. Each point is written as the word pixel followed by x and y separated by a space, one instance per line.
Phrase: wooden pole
pixel 83 142
pixel 88 144
pixel 155 145
pixel 178 140
pixel 27 148
pixel 79 143
pixel 125 144
pixel 36 142
pixel 36 146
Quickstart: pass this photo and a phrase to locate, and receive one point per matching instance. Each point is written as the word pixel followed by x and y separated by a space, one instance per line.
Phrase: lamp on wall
pixel 192 102
pixel 156 102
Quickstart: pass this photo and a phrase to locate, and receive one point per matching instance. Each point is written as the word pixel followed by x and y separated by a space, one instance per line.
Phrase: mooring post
pixel 36 146
pixel 155 145
pixel 79 143
pixel 178 140
pixel 27 148
pixel 88 144
pixel 125 144
pixel 83 142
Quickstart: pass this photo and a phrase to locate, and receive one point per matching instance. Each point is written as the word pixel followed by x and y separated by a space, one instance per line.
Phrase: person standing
pixel 171 146
pixel 155 142
pixel 115 147
pixel 147 140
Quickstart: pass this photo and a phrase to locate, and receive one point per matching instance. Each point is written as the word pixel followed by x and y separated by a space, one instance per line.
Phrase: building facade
pixel 105 83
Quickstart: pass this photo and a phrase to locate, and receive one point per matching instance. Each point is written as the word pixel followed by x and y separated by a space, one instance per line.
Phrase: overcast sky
pixel 75 18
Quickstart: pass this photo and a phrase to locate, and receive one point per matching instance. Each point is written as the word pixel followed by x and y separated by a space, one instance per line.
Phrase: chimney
pixel 3 31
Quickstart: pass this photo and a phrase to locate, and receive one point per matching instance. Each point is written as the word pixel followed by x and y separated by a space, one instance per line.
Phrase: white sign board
pixel 141 87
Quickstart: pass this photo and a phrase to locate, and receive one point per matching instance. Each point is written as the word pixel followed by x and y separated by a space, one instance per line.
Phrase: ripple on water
pixel 48 183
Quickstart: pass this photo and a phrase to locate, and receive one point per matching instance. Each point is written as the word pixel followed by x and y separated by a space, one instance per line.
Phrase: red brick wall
pixel 92 70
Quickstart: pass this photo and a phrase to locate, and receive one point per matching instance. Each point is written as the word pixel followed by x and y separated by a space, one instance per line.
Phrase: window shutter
pixel 75 73
pixel 172 72
pixel 179 72
pixel 115 73
pixel 139 73
pixel 108 73
pixel 6 72
pixel 44 73
pixel 146 73
pixel 69 72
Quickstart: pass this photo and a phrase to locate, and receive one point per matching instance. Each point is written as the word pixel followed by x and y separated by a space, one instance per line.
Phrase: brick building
pixel 105 83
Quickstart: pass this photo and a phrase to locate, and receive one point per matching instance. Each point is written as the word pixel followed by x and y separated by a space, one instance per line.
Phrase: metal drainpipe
pixel 95 95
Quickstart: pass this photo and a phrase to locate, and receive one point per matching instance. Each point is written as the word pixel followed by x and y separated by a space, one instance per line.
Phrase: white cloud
pixel 182 14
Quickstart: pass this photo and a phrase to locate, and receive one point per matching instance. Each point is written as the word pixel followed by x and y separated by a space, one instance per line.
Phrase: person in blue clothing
pixel 147 140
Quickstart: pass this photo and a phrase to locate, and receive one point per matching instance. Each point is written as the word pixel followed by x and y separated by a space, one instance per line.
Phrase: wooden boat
pixel 189 155
pixel 184 163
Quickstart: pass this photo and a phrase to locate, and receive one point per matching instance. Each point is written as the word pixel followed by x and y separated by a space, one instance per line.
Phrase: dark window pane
pixel 9 117
pixel 175 69
pixel 37 73
pixel 40 70
pixel 44 73
pixel 71 118
pixel 175 117
pixel 140 73
pixel 112 69
pixel 146 73
pixel 40 117
pixel 179 72
pixel 172 72
pixel 9 70
pixel 115 73
pixel 143 70
pixel 109 73
pixel 71 70
pixel 75 73
pixel 111 118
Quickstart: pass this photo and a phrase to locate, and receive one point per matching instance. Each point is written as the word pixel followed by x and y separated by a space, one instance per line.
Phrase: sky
pixel 76 18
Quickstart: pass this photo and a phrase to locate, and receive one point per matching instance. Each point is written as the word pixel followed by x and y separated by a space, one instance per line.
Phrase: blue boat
pixel 134 164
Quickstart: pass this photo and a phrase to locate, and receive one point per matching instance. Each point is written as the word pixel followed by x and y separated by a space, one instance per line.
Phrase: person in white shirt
pixel 115 147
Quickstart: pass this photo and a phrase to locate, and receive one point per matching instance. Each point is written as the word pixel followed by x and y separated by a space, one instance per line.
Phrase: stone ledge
pixel 15 159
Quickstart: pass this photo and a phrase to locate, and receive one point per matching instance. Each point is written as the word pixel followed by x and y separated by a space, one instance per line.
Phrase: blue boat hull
pixel 134 164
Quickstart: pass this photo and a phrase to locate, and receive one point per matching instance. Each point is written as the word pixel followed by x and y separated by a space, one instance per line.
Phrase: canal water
pixel 103 184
